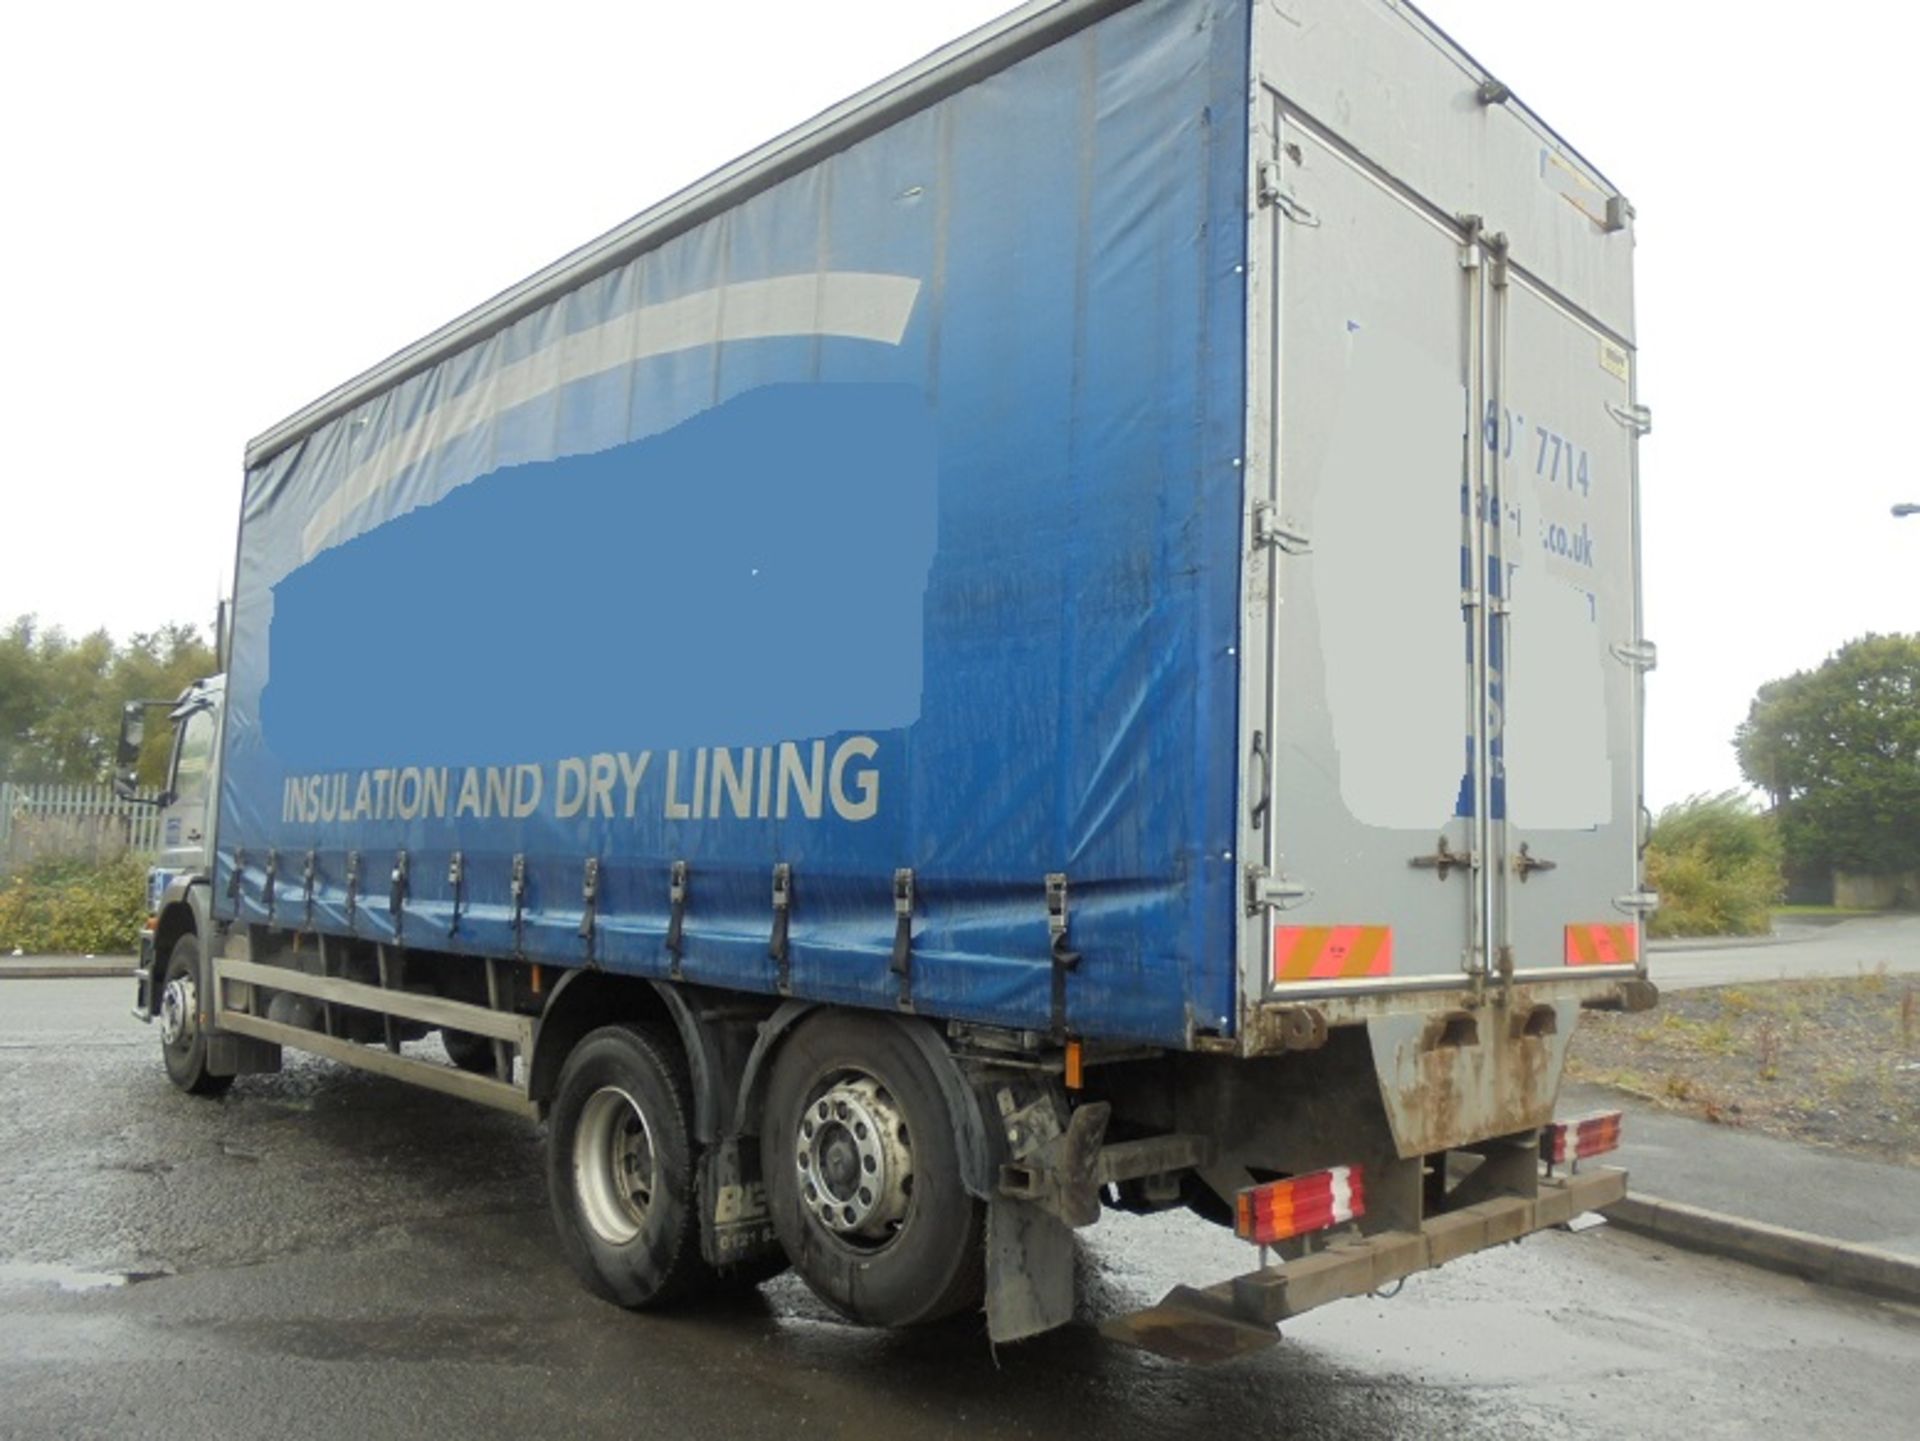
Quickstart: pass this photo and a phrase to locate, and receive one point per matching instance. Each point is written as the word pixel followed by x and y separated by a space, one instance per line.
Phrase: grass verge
pixel 1830 1061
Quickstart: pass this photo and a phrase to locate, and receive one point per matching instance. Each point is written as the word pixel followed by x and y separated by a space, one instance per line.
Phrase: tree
pixel 1716 866
pixel 20 698
pixel 60 699
pixel 1838 750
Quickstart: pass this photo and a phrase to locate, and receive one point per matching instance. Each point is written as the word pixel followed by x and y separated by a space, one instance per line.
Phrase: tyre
pixel 863 1174
pixel 182 1045
pixel 468 1051
pixel 620 1173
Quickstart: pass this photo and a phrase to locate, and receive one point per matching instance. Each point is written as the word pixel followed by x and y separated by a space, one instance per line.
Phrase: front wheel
pixel 183 1046
pixel 620 1172
pixel 863 1174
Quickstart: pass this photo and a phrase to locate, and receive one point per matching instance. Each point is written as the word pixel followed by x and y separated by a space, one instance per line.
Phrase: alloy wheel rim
pixel 178 1005
pixel 615 1167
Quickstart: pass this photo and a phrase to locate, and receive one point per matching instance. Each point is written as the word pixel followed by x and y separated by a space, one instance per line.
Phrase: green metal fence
pixel 83 818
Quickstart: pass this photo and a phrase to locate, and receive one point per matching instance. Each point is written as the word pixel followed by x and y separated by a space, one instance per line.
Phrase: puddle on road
pixel 21 1274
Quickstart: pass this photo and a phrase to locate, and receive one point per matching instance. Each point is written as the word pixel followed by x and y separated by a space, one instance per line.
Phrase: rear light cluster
pixel 1583 1136
pixel 1281 1209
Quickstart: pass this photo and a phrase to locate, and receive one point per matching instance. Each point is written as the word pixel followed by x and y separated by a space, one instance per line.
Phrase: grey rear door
pixel 1560 431
pixel 1372 809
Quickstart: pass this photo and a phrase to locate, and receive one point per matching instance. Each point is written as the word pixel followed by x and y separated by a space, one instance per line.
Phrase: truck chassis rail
pixel 428 1010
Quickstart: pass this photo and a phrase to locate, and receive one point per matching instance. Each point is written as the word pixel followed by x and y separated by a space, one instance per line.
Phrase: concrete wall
pixel 1856 892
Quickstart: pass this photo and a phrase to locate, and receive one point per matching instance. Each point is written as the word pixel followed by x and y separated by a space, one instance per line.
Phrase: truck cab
pixel 178 881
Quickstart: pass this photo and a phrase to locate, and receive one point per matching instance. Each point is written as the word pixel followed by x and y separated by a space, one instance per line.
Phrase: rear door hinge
pixel 1640 654
pixel 1266 183
pixel 1267 190
pixel 1266 892
pixel 1296 212
pixel 1268 529
pixel 1636 418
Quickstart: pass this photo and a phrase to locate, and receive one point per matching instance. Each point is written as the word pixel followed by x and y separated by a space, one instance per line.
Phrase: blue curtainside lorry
pixel 1065 635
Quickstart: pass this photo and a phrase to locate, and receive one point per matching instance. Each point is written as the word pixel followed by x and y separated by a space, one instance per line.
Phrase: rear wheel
pixel 620 1172
pixel 183 1046
pixel 468 1051
pixel 863 1174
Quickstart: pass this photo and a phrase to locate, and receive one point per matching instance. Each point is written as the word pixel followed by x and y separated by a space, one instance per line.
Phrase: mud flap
pixel 1029 1270
pixel 738 1227
pixel 230 1055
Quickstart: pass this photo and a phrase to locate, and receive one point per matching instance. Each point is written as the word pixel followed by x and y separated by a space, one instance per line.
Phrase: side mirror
pixel 133 734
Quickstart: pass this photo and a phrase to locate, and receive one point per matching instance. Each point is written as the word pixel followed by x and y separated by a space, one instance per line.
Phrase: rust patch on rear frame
pixel 1457 1077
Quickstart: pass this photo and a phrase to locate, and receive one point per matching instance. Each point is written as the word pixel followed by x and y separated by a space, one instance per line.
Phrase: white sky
pixel 214 213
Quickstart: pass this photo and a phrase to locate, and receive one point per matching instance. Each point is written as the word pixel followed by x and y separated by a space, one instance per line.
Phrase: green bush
pixel 65 906
pixel 1715 863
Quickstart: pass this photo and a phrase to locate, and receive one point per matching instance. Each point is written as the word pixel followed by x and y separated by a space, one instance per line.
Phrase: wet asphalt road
pixel 1857 946
pixel 325 1253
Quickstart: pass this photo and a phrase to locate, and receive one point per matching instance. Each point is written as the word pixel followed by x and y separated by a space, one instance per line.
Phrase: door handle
pixel 1257 817
pixel 1526 863
pixel 1445 860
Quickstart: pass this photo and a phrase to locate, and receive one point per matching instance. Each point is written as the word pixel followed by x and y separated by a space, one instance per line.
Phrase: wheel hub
pixel 613 1165
pixel 854 1160
pixel 179 1004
